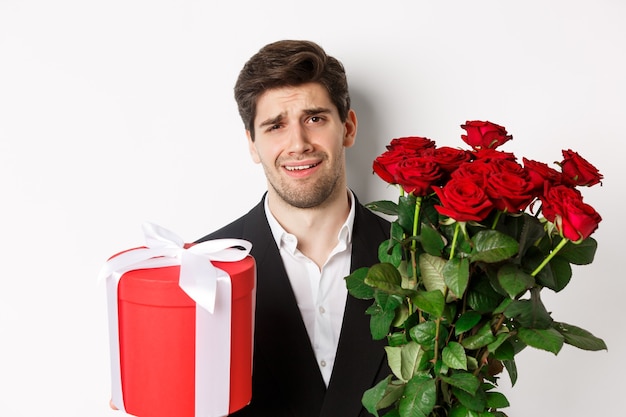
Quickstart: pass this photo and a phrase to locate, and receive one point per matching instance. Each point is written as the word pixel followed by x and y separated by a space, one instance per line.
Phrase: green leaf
pixel 424 334
pixel 419 398
pixel 483 337
pixel 356 285
pixel 392 394
pixel 530 313
pixel 580 338
pixel 411 355
pixel 383 206
pixel 492 246
pixel 463 380
pixel 556 275
pixel 402 313
pixel 453 356
pixel 460 410
pixel 432 275
pixel 372 396
pixel 580 253
pixel 395 413
pixel 456 275
pixel 394 256
pixel 511 369
pixel 404 360
pixel 384 276
pixel 397 233
pixel 476 402
pixel 481 296
pixel 545 339
pixel 396 339
pixel 449 312
pixel 382 314
pixel 431 240
pixel 394 359
pixel 513 280
pixel 406 213
pixel 467 320
pixel 532 230
pixel 432 302
pixel 428 213
pixel 502 349
pixel 380 321
pixel 497 400
pixel 503 305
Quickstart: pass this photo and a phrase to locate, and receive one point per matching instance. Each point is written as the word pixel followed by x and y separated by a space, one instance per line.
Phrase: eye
pixel 316 119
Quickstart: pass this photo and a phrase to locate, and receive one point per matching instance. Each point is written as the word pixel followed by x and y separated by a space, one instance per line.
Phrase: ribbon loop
pixel 157 236
pixel 198 278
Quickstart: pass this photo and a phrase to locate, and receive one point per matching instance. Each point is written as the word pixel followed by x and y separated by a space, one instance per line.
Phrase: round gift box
pixel 157 326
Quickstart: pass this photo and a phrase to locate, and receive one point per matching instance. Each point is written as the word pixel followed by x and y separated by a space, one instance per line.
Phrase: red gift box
pixel 171 356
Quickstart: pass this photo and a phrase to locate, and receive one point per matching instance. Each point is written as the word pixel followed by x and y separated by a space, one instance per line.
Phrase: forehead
pixel 292 100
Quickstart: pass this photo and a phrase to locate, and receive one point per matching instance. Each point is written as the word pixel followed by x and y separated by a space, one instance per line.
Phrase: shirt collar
pixel 290 242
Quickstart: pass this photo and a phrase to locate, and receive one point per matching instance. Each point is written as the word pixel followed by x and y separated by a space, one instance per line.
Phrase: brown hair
pixel 289 63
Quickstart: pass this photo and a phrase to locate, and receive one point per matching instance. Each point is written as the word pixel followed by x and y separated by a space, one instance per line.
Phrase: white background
pixel 117 112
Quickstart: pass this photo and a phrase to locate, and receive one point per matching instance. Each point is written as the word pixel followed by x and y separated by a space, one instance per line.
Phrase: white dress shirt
pixel 321 294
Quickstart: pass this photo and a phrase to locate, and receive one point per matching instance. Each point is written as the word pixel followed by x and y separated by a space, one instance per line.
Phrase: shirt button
pixel 323 363
pixel 322 310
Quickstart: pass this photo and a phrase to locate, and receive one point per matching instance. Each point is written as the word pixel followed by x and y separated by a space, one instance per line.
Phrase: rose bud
pixel 484 135
pixel 578 171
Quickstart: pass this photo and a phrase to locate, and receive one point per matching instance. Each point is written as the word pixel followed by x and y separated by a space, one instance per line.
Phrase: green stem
pixel 438 331
pixel 562 243
pixel 495 221
pixel 483 354
pixel 416 216
pixel 497 218
pixel 454 239
pixel 436 350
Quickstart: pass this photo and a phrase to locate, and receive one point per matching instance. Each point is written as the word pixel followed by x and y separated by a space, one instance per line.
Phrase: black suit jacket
pixel 286 378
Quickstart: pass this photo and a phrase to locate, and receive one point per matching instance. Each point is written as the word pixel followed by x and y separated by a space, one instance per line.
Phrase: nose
pixel 299 141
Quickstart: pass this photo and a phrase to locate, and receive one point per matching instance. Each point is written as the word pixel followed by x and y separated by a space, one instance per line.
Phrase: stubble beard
pixel 308 194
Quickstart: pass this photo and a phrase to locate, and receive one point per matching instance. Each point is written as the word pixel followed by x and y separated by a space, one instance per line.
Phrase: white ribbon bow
pixel 199 280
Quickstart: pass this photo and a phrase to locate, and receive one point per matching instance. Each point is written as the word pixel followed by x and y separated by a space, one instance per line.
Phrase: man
pixel 313 351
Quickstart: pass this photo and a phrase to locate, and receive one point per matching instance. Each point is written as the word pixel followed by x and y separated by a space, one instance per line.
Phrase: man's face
pixel 300 141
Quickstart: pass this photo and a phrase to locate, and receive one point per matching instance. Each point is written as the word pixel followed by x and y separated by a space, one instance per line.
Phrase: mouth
pixel 294 168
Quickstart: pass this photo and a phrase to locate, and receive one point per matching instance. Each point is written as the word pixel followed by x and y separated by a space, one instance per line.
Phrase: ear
pixel 252 148
pixel 350 126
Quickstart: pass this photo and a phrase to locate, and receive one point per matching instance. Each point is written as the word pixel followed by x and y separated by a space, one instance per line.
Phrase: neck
pixel 316 228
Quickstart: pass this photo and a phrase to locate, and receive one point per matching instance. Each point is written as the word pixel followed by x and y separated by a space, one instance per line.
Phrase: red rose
pixel 411 144
pixel 541 175
pixel 506 165
pixel 477 171
pixel 484 135
pixel 449 159
pixel 463 200
pixel 578 171
pixel 386 165
pixel 564 206
pixel 510 191
pixel 417 175
pixel 488 155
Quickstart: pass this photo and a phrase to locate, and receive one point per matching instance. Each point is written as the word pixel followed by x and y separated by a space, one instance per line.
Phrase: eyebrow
pixel 308 112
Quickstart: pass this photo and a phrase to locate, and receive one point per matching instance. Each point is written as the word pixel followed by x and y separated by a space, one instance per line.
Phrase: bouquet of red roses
pixel 477 236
